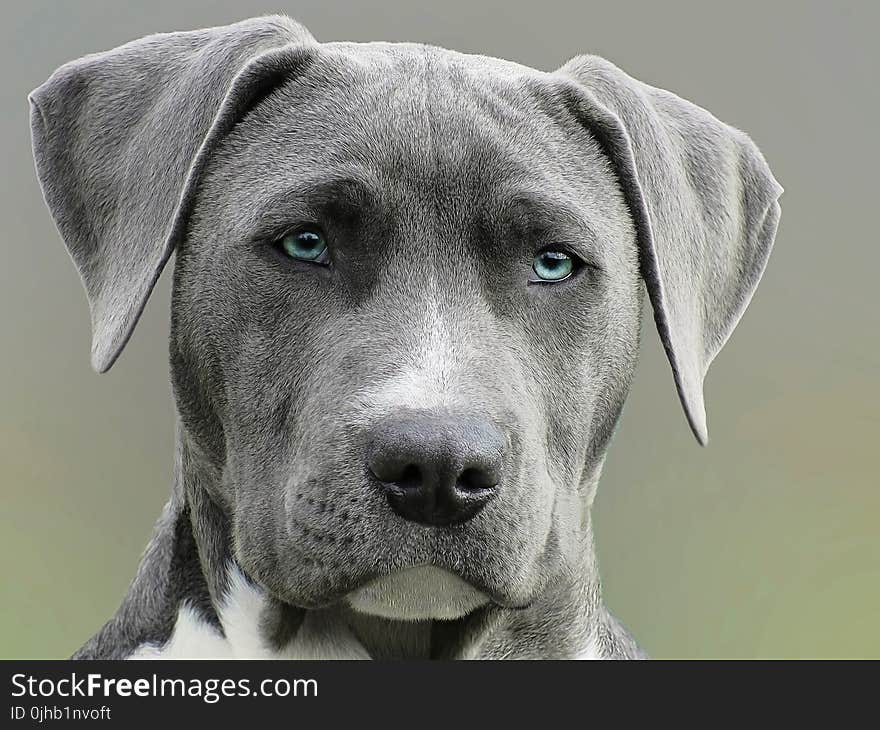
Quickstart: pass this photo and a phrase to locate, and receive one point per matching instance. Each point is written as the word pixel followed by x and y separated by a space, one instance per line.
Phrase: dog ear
pixel 704 205
pixel 120 138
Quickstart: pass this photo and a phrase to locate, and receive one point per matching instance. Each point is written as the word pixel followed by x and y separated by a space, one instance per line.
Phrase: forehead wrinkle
pixel 431 124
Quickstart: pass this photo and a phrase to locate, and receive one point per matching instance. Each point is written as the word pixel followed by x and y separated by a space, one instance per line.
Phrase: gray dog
pixel 405 319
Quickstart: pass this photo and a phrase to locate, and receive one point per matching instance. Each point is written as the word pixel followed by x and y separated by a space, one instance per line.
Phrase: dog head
pixel 407 287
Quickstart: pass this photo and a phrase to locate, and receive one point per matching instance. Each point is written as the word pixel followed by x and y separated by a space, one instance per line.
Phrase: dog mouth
pixel 415 592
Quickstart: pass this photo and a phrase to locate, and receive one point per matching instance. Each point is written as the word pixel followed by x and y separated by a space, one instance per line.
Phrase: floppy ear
pixel 704 205
pixel 120 138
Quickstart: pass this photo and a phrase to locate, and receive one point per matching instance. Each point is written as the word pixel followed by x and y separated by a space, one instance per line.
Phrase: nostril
pixel 410 477
pixel 396 472
pixel 475 480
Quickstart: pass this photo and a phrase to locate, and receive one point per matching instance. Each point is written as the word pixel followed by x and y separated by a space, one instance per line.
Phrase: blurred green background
pixel 765 544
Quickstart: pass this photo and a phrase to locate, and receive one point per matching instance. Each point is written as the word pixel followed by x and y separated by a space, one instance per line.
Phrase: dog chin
pixel 424 592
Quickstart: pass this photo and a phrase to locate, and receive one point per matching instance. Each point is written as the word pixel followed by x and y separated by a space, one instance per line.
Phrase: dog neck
pixel 191 600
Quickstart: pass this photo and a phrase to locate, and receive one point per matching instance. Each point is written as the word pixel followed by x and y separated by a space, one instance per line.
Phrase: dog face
pixel 423 322
pixel 407 288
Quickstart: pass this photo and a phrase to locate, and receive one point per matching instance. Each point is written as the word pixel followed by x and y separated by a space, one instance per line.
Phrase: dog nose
pixel 436 470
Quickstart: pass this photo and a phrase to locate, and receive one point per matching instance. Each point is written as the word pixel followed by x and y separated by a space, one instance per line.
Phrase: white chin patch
pixel 421 593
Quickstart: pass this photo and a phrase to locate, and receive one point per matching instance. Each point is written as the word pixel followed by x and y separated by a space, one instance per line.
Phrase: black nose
pixel 436 470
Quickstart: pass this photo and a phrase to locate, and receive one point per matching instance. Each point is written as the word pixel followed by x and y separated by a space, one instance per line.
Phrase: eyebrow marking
pixel 337 196
pixel 523 204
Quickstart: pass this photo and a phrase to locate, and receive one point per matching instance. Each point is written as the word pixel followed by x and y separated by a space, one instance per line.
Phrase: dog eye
pixel 306 244
pixel 552 266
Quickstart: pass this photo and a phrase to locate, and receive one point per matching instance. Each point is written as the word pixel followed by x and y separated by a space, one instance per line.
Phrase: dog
pixel 405 318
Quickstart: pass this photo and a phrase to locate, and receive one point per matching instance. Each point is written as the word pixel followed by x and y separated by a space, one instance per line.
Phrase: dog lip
pixel 418 593
pixel 344 584
pixel 338 596
pixel 494 596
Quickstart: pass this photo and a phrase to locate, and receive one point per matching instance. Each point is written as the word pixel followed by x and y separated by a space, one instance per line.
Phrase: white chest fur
pixel 193 638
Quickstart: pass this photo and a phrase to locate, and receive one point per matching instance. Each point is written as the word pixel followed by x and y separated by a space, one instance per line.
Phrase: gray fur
pixel 438 176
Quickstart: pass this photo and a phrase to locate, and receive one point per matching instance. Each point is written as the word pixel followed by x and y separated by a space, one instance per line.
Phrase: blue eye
pixel 307 244
pixel 552 266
